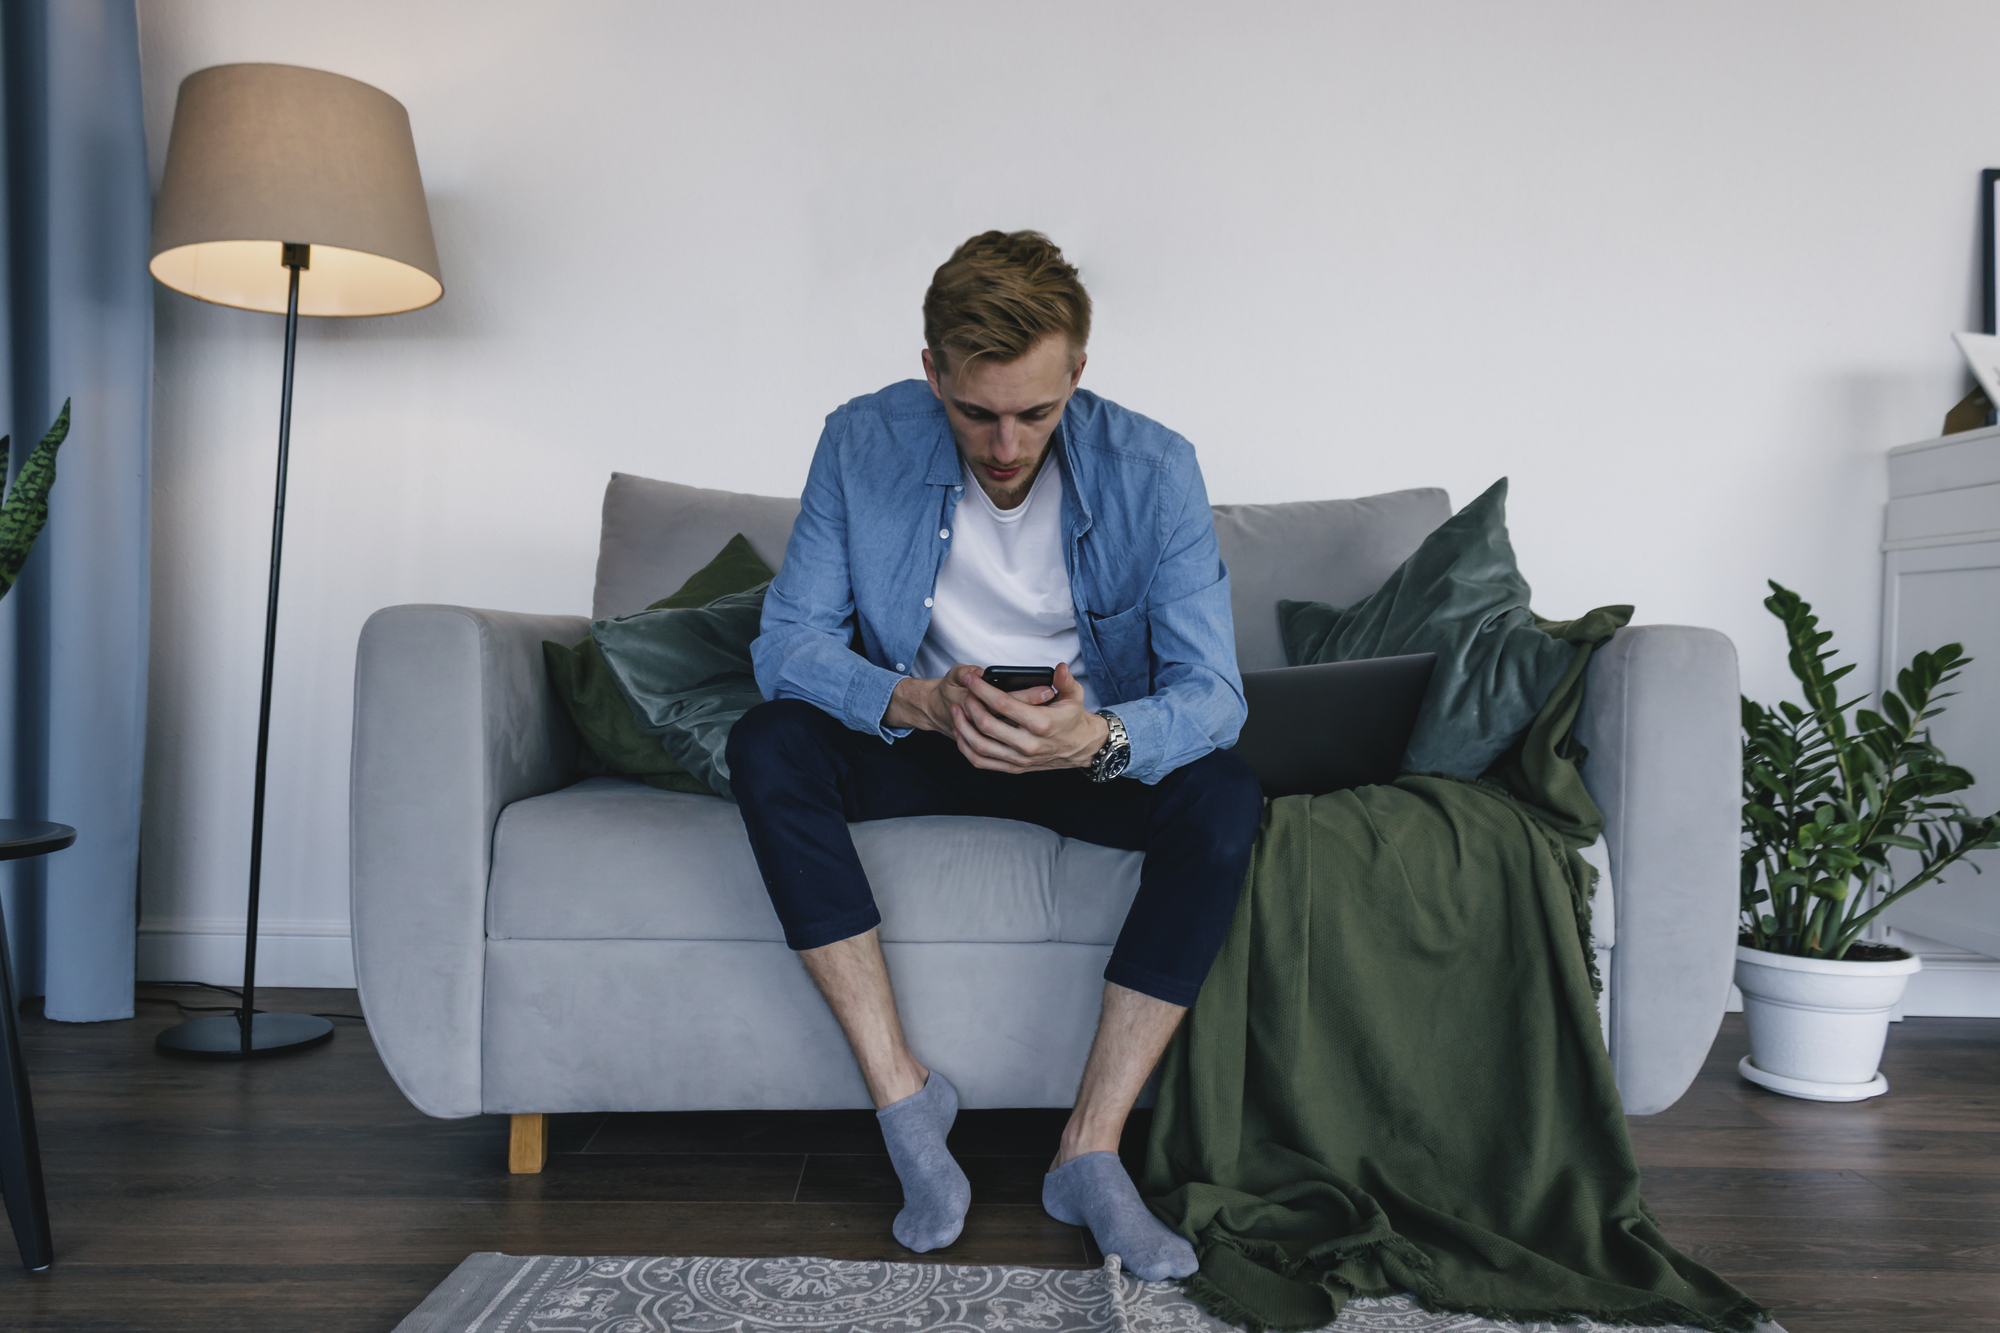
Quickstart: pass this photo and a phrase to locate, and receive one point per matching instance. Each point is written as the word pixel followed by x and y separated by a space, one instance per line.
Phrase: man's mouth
pixel 1002 473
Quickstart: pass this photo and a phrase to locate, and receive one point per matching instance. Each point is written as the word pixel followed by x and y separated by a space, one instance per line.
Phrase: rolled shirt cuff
pixel 867 700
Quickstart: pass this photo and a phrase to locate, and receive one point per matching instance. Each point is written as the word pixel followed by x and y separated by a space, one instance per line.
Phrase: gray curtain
pixel 79 325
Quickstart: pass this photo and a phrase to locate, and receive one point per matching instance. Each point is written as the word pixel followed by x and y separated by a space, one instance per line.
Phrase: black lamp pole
pixel 250 1035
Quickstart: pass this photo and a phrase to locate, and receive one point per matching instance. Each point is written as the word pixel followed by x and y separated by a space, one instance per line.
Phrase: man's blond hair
pixel 1001 293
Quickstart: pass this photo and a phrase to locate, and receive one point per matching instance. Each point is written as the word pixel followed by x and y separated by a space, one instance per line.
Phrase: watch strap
pixel 1112 757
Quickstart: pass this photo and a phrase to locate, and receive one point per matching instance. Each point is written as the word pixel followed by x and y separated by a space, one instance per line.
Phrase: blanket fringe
pixel 1227 1308
pixel 1404 1261
pixel 1745 1317
pixel 1409 1268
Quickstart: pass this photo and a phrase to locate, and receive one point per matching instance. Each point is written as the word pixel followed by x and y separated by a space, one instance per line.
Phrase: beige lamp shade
pixel 262 155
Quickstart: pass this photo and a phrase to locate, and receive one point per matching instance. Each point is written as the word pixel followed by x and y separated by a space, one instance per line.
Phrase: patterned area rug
pixel 499 1293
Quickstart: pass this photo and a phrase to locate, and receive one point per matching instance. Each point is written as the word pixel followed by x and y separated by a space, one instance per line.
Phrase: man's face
pixel 1003 413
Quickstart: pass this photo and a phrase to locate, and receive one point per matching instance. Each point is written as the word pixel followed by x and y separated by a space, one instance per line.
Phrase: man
pixel 1000 516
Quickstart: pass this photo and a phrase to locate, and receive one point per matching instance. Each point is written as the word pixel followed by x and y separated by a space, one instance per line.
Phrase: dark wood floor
pixel 304 1193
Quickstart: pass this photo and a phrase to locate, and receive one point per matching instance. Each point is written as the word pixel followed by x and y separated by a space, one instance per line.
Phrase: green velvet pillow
pixel 588 690
pixel 686 672
pixel 1461 596
pixel 736 568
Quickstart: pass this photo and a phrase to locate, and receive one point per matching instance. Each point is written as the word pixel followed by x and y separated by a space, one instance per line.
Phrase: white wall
pixel 1682 271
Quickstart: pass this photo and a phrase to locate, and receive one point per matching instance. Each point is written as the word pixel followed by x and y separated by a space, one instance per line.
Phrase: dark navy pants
pixel 801 776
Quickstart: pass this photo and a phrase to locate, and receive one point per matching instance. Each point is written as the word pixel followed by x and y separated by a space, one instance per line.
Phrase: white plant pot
pixel 1817 1025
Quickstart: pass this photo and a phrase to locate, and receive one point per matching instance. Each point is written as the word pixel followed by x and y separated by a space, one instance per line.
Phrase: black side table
pixel 20 1152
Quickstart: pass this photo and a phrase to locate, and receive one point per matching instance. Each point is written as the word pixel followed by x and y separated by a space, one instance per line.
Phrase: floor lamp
pixel 293 190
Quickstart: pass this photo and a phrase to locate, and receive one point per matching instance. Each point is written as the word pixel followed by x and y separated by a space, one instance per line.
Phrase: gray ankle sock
pixel 1094 1191
pixel 935 1192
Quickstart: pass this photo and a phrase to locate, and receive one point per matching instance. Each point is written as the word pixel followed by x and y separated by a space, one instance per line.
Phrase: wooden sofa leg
pixel 528 1148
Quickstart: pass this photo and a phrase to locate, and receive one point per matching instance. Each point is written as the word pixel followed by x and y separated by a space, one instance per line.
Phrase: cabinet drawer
pixel 1968 509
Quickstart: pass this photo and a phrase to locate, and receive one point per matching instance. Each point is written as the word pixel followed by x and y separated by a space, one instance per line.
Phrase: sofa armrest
pixel 453 720
pixel 1660 718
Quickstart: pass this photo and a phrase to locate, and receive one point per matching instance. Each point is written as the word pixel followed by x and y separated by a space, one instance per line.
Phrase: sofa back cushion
pixel 1341 549
pixel 657 533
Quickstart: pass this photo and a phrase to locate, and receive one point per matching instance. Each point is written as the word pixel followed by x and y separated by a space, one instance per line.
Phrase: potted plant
pixel 1840 820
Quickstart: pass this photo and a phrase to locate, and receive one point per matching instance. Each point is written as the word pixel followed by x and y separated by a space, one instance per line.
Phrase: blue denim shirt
pixel 1151 592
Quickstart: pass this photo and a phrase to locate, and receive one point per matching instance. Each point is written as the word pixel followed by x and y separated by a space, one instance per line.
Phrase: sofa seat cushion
pixel 614 859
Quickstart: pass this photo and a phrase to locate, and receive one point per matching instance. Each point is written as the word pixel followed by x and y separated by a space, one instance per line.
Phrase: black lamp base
pixel 222 1038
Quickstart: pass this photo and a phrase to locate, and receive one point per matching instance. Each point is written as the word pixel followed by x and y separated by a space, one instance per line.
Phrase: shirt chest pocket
pixel 1123 643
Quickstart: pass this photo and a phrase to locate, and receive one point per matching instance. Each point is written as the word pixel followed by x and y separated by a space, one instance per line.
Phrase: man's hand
pixel 926 704
pixel 1027 731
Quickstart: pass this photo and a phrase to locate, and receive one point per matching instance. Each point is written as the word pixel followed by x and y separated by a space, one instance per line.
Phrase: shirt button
pixel 944 534
pixel 899 666
pixel 927 601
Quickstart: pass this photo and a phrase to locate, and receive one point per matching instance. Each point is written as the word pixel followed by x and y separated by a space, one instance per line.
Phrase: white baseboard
pixel 1955 983
pixel 289 953
pixel 1954 988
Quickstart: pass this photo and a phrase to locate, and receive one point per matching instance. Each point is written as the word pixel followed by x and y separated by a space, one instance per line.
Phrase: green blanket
pixel 1394 1080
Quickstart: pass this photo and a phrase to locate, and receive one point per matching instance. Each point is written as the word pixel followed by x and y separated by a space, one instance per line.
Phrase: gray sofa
pixel 529 943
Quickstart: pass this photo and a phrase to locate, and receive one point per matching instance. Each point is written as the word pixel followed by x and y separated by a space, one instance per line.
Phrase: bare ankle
pixel 1078 1139
pixel 906 1080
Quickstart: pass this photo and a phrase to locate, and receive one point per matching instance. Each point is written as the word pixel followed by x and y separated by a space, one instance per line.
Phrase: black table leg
pixel 20 1152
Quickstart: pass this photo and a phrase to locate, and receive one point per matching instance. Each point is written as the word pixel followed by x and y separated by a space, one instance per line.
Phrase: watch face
pixel 1115 763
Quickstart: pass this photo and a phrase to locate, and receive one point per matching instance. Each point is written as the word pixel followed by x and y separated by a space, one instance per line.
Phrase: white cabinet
pixel 1941 584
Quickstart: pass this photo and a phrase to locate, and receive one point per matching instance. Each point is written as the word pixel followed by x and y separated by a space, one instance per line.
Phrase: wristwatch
pixel 1110 761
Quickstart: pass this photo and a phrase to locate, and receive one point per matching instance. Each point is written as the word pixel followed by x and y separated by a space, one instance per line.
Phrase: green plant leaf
pixel 27 505
pixel 1896 711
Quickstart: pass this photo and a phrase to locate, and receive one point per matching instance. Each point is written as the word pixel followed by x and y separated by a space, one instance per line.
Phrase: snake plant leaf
pixel 27 505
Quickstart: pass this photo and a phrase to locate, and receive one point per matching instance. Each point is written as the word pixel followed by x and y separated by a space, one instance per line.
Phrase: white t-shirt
pixel 1002 596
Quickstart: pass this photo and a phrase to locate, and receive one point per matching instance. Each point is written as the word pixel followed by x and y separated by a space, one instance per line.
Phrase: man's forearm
pixel 909 706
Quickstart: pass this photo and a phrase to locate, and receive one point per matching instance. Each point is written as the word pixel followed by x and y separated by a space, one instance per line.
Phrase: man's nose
pixel 1006 439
